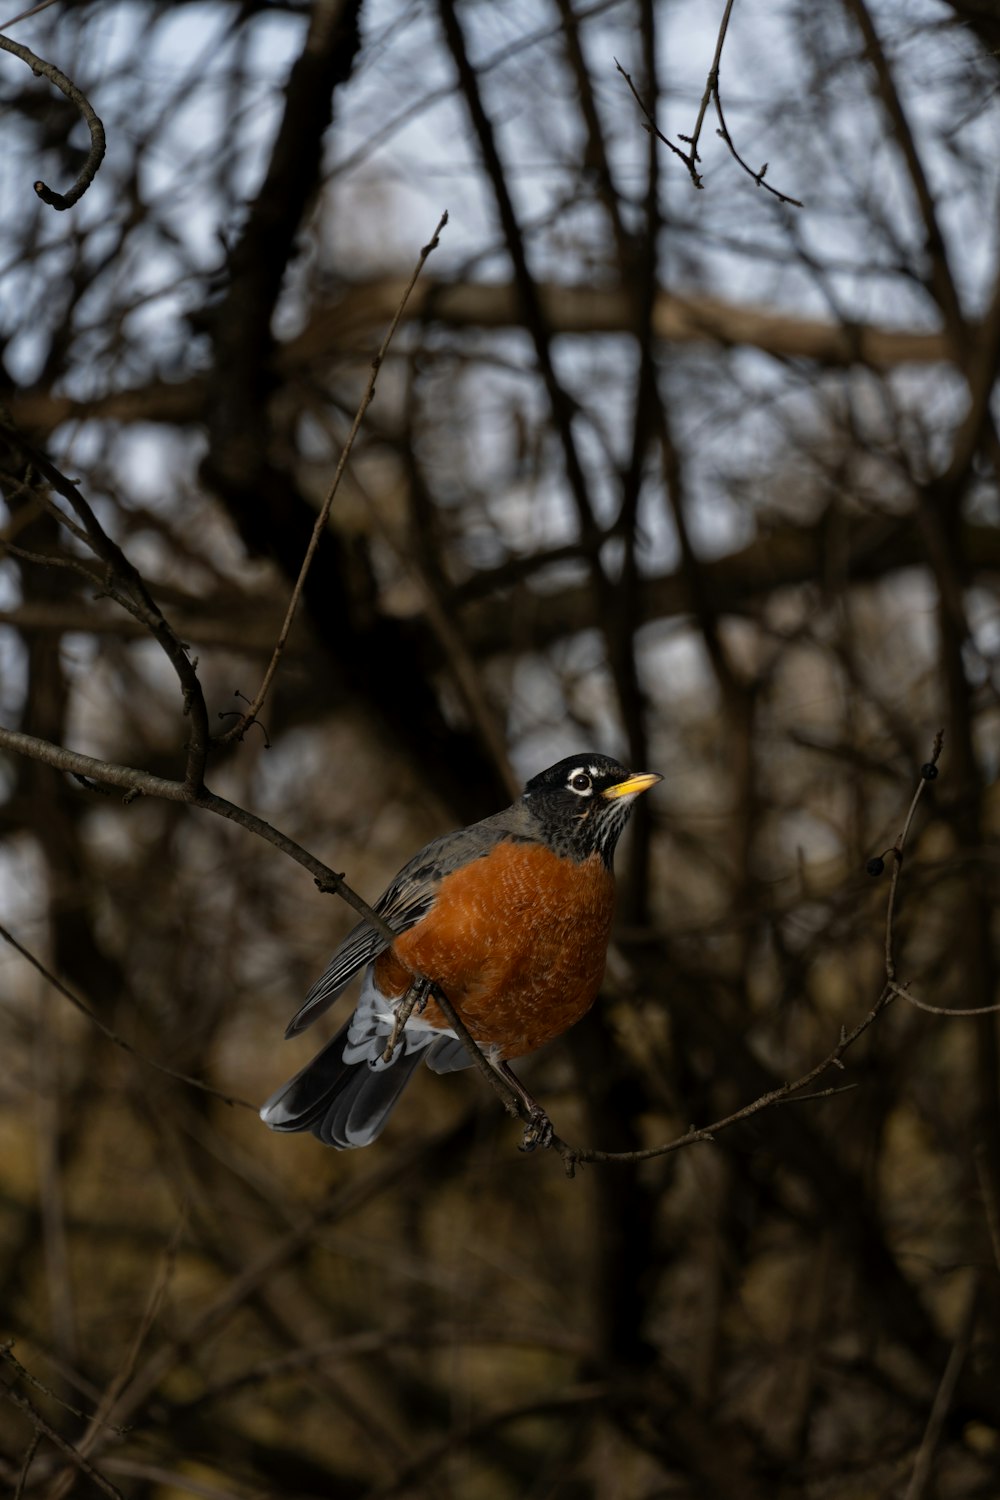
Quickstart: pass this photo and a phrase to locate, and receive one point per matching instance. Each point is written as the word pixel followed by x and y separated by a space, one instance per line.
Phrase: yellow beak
pixel 638 781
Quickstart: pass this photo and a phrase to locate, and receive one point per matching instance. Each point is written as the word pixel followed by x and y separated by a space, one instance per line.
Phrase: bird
pixel 510 918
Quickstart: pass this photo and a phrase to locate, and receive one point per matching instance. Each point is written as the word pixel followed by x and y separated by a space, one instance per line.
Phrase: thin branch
pixel 334 1206
pixel 782 1094
pixel 924 1463
pixel 711 95
pixel 574 1397
pixel 98 144
pixel 785 1093
pixel 511 1102
pixel 125 585
pixel 109 1399
pixel 942 281
pixel 943 1010
pixel 25 14
pixel 711 82
pixel 688 158
pixel 328 880
pixel 136 782
pixel 41 1426
pixel 29 1459
pixel 897 852
pixel 239 729
pixel 9 1357
pixel 758 177
pixel 113 1036
pixel 50 560
pixel 37 496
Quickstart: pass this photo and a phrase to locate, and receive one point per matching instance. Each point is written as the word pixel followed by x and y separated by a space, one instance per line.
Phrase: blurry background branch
pixel 685 476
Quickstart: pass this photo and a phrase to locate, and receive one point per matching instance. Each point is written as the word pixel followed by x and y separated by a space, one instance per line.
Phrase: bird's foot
pixel 415 999
pixel 538 1130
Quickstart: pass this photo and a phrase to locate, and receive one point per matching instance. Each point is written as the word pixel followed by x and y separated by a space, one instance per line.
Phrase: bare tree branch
pixel 239 729
pixel 691 156
pixel 98 144
pixel 113 1036
pixel 786 1092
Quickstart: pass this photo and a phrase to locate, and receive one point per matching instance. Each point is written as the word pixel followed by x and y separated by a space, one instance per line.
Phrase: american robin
pixel 509 918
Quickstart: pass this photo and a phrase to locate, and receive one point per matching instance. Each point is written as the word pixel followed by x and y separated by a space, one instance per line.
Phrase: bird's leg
pixel 415 999
pixel 538 1127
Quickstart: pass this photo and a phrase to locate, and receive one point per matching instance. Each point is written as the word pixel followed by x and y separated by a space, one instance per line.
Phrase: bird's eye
pixel 580 782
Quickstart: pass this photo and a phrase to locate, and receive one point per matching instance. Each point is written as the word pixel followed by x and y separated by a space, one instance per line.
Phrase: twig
pixel 782 1094
pixel 98 144
pixel 688 159
pixel 106 1031
pixel 511 1102
pixel 99 1421
pixel 29 1457
pixel 24 14
pixel 904 993
pixel 124 584
pixel 897 853
pixel 924 1463
pixel 407 1480
pixel 234 1294
pixel 47 560
pixel 9 1357
pixel 711 95
pixel 328 880
pixel 785 1093
pixel 842 1088
pixel 137 781
pixel 758 177
pixel 41 1426
pixel 238 730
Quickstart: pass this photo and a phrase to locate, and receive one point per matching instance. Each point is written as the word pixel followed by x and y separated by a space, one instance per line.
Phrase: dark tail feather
pixel 343 1104
pixel 448 1056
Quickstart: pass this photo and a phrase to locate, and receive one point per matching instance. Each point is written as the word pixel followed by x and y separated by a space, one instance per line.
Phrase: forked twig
pixel 711 95
pixel 38 1422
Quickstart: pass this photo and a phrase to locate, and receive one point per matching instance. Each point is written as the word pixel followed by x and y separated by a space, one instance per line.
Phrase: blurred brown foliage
pixel 696 477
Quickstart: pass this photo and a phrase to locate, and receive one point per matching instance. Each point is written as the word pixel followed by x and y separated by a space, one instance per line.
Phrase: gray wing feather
pixel 410 897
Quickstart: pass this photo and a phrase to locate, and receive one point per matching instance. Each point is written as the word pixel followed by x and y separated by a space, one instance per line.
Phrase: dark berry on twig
pixel 928 770
pixel 875 866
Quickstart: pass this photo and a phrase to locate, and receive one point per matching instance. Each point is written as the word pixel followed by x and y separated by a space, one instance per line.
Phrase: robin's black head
pixel 584 802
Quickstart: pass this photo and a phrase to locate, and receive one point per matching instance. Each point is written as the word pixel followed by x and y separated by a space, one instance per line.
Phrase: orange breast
pixel 516 940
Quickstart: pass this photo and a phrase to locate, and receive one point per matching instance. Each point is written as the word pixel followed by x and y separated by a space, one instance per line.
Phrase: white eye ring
pixel 581 783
